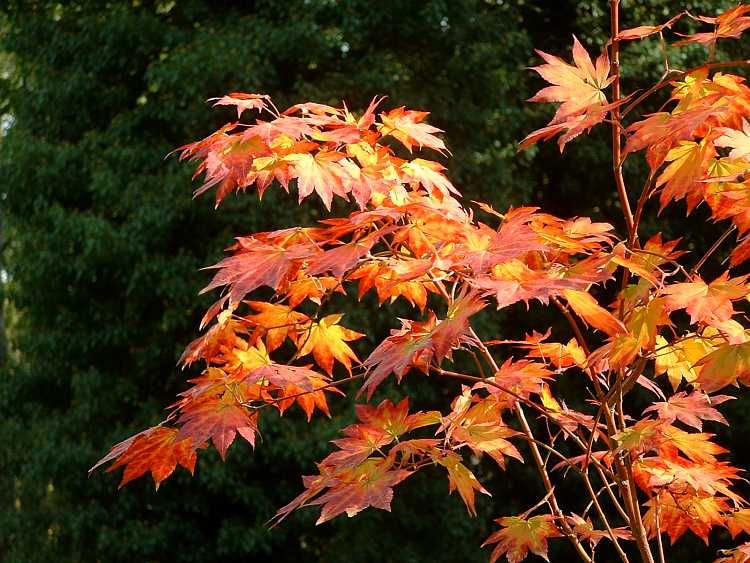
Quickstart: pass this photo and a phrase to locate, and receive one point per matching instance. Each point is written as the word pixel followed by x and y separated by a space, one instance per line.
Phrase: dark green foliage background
pixel 103 245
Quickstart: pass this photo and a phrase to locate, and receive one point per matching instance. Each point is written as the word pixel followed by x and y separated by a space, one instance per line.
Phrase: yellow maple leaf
pixel 326 340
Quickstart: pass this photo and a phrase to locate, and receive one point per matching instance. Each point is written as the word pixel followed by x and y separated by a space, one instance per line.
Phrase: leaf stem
pixel 711 250
pixel 658 534
pixel 645 194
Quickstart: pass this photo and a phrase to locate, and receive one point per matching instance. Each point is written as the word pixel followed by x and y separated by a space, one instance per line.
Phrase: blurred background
pixel 102 245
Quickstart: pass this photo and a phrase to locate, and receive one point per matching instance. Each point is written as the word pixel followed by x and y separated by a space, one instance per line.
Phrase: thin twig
pixel 658 534
pixel 581 342
pixel 568 531
pixel 645 194
pixel 711 250
pixel 603 518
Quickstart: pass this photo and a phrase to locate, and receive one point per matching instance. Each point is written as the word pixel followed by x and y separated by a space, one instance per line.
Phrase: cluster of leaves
pixel 412 238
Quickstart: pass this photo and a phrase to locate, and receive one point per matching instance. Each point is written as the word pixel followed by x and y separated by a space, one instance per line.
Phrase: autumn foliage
pixel 664 331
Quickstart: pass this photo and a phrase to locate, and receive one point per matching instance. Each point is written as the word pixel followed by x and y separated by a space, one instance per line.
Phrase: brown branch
pixel 610 492
pixel 624 485
pixel 616 125
pixel 635 521
pixel 573 325
pixel 627 384
pixel 639 531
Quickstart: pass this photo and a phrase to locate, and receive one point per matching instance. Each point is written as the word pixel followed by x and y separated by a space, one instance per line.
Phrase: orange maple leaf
pixel 411 345
pixel 352 478
pixel 461 478
pixel 677 514
pixel 522 378
pixel 585 530
pixel 578 87
pixel 157 450
pixel 706 302
pixel 520 535
pixel 728 24
pixel 739 521
pixel 242 101
pixel 558 354
pixel 688 166
pixel 660 131
pixel 309 392
pixel 339 260
pixel 369 484
pixel 326 340
pixel 256 263
pixel 277 322
pixel 429 174
pixel 312 288
pixel 724 366
pixel 217 418
pixel 406 126
pixel 477 423
pixel 594 314
pixel 321 173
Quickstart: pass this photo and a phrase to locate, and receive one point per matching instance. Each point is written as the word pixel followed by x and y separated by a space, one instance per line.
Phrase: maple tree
pixel 645 473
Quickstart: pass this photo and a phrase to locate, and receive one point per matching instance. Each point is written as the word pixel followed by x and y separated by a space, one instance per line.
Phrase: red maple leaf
pixel 691 409
pixel 158 450
pixel 242 101
pixel 217 418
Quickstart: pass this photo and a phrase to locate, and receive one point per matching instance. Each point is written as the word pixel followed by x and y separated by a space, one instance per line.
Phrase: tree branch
pixel 616 125
pixel 614 10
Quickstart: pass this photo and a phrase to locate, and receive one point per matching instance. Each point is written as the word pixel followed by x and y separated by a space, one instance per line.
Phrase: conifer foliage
pixel 669 334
